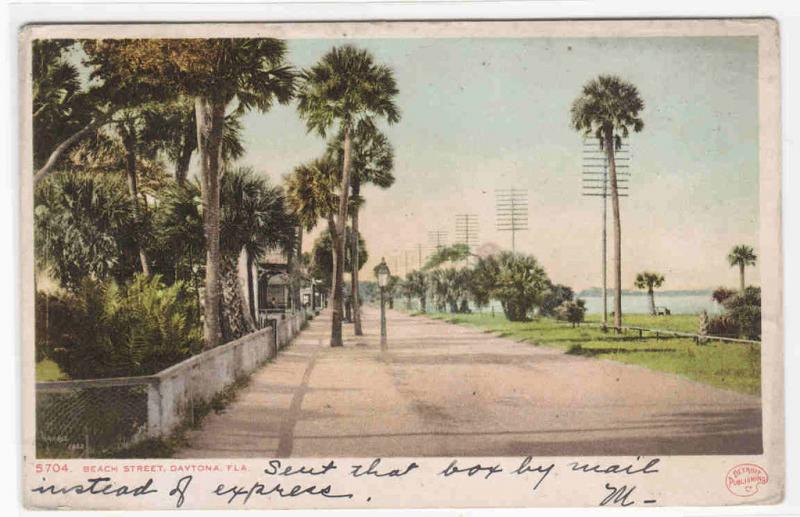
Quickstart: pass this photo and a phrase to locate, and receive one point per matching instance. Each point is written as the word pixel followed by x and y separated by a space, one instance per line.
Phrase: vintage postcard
pixel 401 264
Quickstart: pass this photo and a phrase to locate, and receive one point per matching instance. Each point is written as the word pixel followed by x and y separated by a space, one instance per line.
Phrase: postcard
pixel 445 264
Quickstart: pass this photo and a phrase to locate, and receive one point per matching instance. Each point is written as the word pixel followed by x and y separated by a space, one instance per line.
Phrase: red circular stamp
pixel 743 480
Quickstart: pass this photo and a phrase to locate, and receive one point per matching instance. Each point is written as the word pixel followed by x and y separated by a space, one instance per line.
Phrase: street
pixel 447 390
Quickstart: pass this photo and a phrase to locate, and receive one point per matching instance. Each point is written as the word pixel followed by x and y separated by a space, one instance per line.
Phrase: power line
pixel 467 231
pixel 437 238
pixel 511 208
pixel 595 182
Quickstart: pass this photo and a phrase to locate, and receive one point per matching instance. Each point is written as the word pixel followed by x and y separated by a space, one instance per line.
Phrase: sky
pixel 483 114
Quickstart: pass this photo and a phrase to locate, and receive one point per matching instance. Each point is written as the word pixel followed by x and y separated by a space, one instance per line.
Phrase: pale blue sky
pixel 480 114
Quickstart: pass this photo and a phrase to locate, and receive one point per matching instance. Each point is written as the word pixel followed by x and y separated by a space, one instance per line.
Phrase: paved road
pixel 447 390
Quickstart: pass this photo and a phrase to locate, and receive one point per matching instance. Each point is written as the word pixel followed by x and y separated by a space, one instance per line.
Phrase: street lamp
pixel 383 280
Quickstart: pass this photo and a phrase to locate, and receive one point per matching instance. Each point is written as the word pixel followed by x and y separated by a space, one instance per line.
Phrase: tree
pixel 721 294
pixel 572 311
pixel 555 296
pixel 214 73
pixel 63 112
pixel 650 281
pixel 416 284
pixel 323 256
pixel 607 109
pixel 742 256
pixel 371 163
pixel 84 228
pixel 348 89
pixel 254 219
pixel 455 253
pixel 517 281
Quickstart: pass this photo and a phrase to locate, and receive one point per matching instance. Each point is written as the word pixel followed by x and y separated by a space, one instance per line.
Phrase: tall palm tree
pixel 742 256
pixel 650 281
pixel 607 109
pixel 214 73
pixel 347 89
pixel 372 163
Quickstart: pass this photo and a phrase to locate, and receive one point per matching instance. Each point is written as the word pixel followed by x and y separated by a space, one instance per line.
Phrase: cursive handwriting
pixel 98 486
pixel 596 468
pixel 525 467
pixel 278 489
pixel 372 470
pixel 453 468
pixel 180 490
pixel 276 468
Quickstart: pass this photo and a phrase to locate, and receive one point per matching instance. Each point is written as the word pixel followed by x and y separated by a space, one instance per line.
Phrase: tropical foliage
pixel 650 281
pixel 742 256
pixel 608 109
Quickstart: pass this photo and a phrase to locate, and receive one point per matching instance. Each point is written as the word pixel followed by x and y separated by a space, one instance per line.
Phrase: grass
pixel 731 366
pixel 48 370
pixel 677 322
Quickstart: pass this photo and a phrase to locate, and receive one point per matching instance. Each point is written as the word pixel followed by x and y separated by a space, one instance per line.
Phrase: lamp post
pixel 383 280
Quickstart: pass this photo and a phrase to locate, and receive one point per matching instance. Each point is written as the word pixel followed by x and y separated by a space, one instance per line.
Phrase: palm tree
pixel 213 72
pixel 648 280
pixel 348 89
pixel 254 219
pixel 607 109
pixel 742 256
pixel 416 284
pixel 372 162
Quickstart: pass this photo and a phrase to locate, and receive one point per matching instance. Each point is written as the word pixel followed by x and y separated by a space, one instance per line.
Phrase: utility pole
pixel 437 238
pixel 595 183
pixel 511 206
pixel 419 256
pixel 467 232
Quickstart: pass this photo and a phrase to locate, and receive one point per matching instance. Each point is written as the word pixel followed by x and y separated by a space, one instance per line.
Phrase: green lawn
pixel 732 366
pixel 678 322
pixel 47 370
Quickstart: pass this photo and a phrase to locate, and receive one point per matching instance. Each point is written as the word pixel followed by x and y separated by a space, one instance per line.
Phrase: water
pixel 631 304
pixel 678 304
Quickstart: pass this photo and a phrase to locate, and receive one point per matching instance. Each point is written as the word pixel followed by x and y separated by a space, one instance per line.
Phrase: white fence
pixel 79 418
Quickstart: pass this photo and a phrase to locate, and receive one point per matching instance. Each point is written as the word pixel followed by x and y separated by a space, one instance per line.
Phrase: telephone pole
pixel 595 183
pixel 437 238
pixel 467 232
pixel 511 206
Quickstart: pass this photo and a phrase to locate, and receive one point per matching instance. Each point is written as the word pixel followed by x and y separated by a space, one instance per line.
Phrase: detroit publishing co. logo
pixel 743 480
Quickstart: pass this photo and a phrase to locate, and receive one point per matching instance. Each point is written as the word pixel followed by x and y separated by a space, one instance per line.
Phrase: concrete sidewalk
pixel 448 390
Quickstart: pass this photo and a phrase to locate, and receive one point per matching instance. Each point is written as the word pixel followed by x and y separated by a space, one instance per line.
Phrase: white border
pixel 787 15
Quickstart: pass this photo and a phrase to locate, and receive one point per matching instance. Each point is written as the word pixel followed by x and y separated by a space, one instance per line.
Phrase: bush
pixel 517 281
pixel 571 311
pixel 556 295
pixel 742 317
pixel 104 330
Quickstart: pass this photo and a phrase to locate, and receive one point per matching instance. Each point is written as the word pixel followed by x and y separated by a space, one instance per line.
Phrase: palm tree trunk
pixel 336 287
pixel 64 146
pixel 338 244
pixel 741 276
pixel 612 172
pixel 185 154
pixel 210 121
pixel 355 264
pixel 133 189
pixel 652 296
pixel 237 322
pixel 251 301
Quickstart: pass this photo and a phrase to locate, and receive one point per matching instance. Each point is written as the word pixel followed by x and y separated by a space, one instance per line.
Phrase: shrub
pixel 556 295
pixel 571 311
pixel 745 309
pixel 723 325
pixel 517 281
pixel 104 330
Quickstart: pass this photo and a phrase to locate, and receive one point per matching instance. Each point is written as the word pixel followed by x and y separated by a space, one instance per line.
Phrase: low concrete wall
pixel 172 394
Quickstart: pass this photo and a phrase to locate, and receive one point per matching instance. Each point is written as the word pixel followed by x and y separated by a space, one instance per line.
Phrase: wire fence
pixel 79 419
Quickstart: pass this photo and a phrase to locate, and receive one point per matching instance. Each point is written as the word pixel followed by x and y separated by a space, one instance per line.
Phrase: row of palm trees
pixel 177 97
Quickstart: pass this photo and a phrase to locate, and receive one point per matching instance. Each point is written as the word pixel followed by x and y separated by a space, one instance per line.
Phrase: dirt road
pixel 447 390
